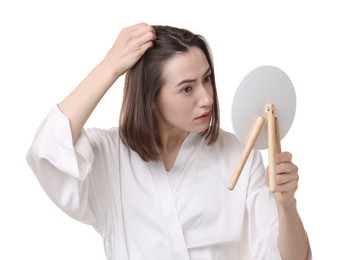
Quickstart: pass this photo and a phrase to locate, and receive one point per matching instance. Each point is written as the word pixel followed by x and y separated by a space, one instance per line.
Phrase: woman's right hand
pixel 131 43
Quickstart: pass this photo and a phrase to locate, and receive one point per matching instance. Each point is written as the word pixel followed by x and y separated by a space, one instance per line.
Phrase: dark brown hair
pixel 143 82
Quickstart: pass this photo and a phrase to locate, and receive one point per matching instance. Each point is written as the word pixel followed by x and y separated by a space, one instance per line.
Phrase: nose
pixel 205 97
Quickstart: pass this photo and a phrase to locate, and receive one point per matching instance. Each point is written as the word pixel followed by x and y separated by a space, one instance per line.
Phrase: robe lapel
pixel 170 214
pixel 185 157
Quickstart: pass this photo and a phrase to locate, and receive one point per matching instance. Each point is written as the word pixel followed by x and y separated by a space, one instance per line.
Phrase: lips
pixel 204 115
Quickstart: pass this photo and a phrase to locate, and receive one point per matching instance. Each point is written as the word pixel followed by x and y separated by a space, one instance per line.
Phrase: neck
pixel 170 144
pixel 170 141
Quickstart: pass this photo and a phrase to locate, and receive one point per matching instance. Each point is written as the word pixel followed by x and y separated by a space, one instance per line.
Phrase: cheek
pixel 210 91
pixel 161 102
pixel 176 109
pixel 168 108
pixel 172 107
pixel 170 104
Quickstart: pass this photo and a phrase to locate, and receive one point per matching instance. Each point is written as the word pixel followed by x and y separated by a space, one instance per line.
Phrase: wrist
pixel 109 69
pixel 287 206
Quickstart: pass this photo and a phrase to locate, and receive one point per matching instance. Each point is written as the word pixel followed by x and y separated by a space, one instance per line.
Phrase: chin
pixel 200 130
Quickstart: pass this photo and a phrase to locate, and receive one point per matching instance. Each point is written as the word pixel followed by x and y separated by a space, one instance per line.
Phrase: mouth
pixel 204 116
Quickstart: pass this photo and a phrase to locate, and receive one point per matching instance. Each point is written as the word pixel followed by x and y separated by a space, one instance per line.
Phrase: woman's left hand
pixel 287 178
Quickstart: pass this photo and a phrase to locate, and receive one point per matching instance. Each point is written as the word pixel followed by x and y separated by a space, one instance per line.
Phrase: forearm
pixel 292 239
pixel 129 47
pixel 81 102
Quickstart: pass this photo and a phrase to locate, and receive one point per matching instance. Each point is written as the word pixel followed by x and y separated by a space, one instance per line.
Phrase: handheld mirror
pixel 263 110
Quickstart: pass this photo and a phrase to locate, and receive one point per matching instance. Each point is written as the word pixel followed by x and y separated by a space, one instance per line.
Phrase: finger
pixel 291 186
pixel 135 28
pixel 139 30
pixel 147 37
pixel 286 167
pixel 285 178
pixel 283 157
pixel 141 41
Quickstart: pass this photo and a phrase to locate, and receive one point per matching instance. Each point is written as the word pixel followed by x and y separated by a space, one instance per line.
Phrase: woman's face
pixel 185 100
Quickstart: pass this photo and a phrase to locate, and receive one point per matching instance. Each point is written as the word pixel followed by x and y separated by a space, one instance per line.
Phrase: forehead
pixel 186 65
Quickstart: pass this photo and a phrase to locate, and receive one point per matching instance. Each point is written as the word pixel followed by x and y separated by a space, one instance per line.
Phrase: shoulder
pixel 106 132
pixel 228 138
pixel 226 134
pixel 228 143
pixel 103 137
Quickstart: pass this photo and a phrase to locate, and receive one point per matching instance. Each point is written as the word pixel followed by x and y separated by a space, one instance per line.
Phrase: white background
pixel 47 47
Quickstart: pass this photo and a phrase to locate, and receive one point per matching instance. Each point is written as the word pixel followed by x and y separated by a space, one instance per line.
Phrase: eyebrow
pixel 193 80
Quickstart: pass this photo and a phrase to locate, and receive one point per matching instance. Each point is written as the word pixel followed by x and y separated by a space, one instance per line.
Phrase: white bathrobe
pixel 144 212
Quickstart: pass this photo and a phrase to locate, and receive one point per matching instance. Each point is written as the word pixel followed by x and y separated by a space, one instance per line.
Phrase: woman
pixel 155 188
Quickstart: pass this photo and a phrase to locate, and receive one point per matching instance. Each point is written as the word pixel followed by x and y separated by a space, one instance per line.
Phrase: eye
pixel 207 79
pixel 187 89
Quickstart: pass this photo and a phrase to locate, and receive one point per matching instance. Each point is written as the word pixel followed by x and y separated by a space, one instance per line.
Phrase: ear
pixel 153 106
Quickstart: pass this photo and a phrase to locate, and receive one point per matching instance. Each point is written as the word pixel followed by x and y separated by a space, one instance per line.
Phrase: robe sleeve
pixel 262 214
pixel 62 167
